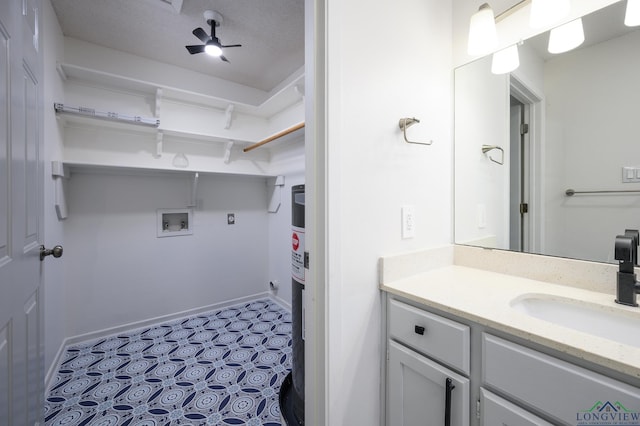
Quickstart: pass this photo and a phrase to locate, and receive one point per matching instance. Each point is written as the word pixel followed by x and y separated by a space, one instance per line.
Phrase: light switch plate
pixel 630 174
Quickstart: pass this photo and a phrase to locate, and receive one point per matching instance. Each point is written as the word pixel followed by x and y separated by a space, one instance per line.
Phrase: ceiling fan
pixel 212 45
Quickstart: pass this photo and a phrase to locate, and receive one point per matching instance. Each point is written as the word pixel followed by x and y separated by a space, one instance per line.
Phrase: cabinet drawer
pixel 566 392
pixel 443 339
pixel 498 411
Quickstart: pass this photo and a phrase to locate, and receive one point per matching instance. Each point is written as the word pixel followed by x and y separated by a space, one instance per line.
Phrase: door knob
pixel 56 252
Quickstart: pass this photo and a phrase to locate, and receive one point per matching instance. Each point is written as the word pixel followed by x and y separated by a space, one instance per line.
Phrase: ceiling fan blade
pixel 224 58
pixel 201 34
pixel 231 45
pixel 197 48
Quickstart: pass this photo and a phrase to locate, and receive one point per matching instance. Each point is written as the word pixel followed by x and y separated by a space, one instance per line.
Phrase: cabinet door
pixel 417 390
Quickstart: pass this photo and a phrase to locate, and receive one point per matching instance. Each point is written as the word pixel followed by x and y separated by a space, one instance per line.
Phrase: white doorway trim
pixel 534 107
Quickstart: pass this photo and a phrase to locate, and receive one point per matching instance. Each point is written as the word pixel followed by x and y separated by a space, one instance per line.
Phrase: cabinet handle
pixel 419 330
pixel 447 401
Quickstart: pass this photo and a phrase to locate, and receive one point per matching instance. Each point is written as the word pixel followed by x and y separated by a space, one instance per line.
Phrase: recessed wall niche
pixel 174 222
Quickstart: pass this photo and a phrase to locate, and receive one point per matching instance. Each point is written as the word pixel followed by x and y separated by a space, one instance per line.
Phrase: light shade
pixel 482 32
pixel 548 12
pixel 212 49
pixel 566 37
pixel 505 60
pixel 632 16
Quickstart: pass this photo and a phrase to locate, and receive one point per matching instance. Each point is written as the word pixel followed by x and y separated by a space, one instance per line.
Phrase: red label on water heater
pixel 297 254
pixel 295 242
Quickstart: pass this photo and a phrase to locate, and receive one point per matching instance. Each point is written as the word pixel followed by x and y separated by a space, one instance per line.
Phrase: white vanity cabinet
pixel 564 392
pixel 422 351
pixel 435 367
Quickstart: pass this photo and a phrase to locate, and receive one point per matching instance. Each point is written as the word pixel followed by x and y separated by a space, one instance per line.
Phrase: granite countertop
pixel 485 297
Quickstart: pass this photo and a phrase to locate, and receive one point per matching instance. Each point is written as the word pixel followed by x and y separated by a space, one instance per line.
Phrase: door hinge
pixel 524 208
pixel 306 260
pixel 478 409
pixel 524 128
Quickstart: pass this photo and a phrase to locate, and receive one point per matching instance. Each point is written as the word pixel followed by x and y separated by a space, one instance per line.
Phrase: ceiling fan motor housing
pixel 212 15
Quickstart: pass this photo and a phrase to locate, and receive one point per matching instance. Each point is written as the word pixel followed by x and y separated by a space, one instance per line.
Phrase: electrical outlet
pixel 231 218
pixel 408 222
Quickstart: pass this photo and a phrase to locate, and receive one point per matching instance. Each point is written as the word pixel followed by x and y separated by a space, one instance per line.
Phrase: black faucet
pixel 626 253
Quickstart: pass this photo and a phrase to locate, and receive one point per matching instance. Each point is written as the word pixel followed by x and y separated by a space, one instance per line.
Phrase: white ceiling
pixel 271 33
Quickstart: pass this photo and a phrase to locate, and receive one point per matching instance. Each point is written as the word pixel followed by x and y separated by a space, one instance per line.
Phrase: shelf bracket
pixel 299 89
pixel 61 73
pixel 60 172
pixel 227 152
pixel 158 102
pixel 276 194
pixel 193 202
pixel 229 116
pixel 159 140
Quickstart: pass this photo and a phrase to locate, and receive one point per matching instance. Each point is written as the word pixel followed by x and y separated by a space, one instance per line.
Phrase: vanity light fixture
pixel 632 15
pixel 548 12
pixel 483 37
pixel 505 60
pixel 566 37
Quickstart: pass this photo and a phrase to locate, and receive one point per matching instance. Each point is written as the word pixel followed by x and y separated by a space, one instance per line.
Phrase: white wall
pixel 385 61
pixel 118 271
pixel 279 226
pixel 55 300
pixel 591 134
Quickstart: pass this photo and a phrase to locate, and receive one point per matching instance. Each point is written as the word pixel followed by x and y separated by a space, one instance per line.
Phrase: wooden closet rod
pixel 274 137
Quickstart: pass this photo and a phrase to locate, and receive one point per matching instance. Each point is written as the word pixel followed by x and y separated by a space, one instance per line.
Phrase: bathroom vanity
pixel 469 342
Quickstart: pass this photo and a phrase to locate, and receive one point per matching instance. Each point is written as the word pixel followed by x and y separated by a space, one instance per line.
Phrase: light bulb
pixel 505 60
pixel 548 12
pixel 212 49
pixel 632 16
pixel 482 32
pixel 566 37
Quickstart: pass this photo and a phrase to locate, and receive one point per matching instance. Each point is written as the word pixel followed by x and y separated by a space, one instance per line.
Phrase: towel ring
pixel 487 148
pixel 403 123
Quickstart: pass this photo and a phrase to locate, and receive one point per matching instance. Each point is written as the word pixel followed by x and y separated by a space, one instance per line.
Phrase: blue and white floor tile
pixel 219 368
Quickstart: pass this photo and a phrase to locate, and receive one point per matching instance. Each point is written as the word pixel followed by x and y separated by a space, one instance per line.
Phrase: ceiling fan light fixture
pixel 212 49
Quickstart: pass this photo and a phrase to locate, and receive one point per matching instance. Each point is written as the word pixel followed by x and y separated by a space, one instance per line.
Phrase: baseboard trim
pixel 280 301
pixel 107 332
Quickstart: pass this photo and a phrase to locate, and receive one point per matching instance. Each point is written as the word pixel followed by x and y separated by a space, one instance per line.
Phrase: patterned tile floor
pixel 222 367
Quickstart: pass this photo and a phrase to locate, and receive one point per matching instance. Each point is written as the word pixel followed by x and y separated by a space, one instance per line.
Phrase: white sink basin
pixel 608 322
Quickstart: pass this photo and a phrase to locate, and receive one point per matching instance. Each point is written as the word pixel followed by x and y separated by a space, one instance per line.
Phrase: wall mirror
pixel 558 122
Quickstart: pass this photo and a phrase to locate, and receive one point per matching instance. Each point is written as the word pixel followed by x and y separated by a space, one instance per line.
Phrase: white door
pixel 21 180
